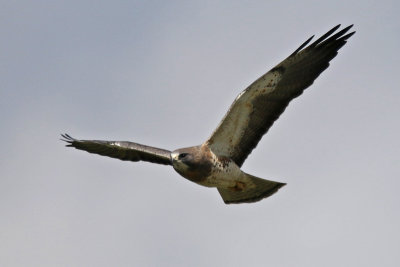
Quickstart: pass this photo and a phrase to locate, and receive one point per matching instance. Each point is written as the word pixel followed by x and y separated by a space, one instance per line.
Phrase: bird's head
pixel 182 159
pixel 192 163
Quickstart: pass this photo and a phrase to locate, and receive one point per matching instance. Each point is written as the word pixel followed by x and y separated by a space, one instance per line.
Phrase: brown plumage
pixel 266 99
pixel 217 162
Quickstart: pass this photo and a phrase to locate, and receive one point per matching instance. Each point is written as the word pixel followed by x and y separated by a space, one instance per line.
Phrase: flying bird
pixel 217 162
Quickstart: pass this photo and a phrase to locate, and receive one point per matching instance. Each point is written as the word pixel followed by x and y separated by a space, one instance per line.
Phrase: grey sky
pixel 163 73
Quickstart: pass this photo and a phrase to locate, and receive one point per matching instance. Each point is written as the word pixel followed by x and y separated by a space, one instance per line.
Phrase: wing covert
pixel 122 150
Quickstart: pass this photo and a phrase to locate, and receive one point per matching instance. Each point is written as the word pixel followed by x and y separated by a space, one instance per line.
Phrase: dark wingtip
pixel 67 138
pixel 326 38
pixel 326 35
pixel 349 27
pixel 347 36
pixel 336 27
pixel 302 46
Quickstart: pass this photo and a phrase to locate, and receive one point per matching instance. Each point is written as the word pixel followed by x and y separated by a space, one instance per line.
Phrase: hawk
pixel 217 162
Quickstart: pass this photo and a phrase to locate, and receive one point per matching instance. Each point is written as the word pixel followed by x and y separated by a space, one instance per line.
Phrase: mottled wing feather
pixel 255 109
pixel 122 150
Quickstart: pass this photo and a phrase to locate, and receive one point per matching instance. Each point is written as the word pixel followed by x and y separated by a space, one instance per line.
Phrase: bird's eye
pixel 182 155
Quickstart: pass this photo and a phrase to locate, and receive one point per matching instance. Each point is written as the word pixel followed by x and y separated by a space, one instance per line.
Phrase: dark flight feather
pixel 298 71
pixel 122 150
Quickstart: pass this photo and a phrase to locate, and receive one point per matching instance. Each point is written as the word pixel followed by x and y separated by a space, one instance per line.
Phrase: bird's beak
pixel 174 156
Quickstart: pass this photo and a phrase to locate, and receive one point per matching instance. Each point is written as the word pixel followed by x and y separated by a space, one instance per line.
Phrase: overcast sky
pixel 163 73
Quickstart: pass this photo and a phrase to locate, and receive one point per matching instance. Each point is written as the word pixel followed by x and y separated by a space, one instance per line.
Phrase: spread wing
pixel 256 108
pixel 122 150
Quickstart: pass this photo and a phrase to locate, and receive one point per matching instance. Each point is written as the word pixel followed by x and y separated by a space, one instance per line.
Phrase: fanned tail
pixel 263 189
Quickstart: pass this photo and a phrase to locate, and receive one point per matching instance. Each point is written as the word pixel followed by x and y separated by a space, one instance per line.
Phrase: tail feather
pixel 263 188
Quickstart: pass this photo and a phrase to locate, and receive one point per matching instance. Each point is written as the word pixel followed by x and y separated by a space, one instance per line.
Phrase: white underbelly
pixel 224 177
